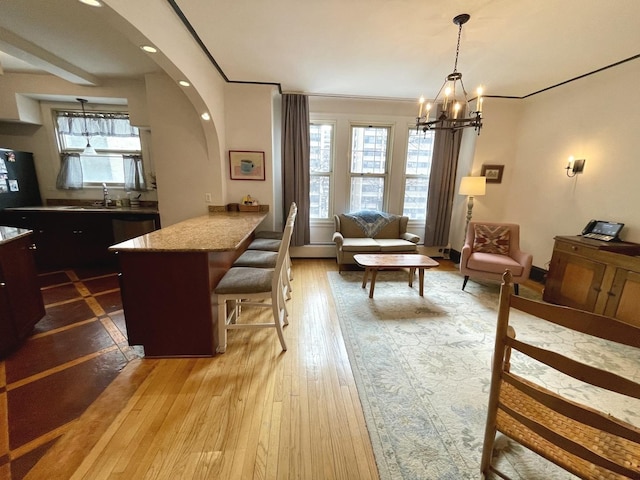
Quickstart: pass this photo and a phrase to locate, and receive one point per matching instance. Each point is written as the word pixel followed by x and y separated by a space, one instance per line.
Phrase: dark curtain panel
pixel 444 164
pixel 295 163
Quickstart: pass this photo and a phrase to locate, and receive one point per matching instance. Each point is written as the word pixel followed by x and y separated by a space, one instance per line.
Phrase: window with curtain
pixel 417 171
pixel 369 167
pixel 321 169
pixel 118 153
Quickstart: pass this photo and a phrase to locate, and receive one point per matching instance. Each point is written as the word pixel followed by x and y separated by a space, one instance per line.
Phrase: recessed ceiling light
pixel 184 83
pixel 91 3
pixel 148 48
pixel 206 116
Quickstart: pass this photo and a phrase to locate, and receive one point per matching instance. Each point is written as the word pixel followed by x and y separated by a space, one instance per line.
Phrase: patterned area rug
pixel 422 368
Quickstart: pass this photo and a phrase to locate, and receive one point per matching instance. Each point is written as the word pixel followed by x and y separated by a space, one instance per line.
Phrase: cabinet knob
pixel 33 247
pixel 2 284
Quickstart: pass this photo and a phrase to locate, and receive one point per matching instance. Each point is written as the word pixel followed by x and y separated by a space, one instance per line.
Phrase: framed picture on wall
pixel 493 173
pixel 246 165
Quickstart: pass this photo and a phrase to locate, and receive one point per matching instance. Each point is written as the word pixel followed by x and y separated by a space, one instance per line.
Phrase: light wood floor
pixel 253 412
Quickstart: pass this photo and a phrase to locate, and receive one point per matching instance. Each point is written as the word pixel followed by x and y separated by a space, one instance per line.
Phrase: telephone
pixel 601 230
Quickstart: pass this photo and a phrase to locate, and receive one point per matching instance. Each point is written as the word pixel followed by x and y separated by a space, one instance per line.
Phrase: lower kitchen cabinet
pixel 21 305
pixel 76 238
pixel 600 277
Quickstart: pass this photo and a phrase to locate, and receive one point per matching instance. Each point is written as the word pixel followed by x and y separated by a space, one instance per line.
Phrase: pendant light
pixel 88 150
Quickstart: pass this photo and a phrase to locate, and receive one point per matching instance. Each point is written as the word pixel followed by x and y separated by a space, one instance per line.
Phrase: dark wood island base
pixel 166 280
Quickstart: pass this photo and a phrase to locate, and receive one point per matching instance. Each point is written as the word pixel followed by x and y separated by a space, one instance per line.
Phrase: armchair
pixel 491 248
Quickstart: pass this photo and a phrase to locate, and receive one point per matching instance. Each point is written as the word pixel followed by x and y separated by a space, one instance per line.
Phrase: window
pixel 417 170
pixel 368 167
pixel 118 150
pixel 321 170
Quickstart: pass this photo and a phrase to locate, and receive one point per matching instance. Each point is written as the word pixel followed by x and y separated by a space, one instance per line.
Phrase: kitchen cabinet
pixel 600 277
pixel 75 237
pixel 21 304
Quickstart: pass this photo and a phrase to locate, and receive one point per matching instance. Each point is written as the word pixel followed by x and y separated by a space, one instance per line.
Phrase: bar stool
pixel 253 287
pixel 266 258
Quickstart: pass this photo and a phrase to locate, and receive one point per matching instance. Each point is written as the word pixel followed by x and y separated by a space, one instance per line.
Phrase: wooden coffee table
pixel 380 261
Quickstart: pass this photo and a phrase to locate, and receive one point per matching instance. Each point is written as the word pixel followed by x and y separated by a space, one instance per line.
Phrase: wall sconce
pixel 574 166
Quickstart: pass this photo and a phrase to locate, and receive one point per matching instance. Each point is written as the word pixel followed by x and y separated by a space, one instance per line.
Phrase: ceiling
pixel 364 48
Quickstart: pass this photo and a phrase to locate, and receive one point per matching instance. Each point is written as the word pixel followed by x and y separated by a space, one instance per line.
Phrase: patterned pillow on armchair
pixel 491 239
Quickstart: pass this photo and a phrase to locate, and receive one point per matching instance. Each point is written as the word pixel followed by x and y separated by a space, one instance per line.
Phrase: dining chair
pixel 242 287
pixel 545 399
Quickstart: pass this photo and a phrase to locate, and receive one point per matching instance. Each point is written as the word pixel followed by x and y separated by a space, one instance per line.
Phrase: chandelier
pixel 453 98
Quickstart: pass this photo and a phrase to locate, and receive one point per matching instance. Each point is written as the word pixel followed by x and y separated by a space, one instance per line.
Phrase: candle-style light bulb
pixel 480 100
pixel 426 114
pixel 570 162
pixel 447 92
pixel 456 109
pixel 421 102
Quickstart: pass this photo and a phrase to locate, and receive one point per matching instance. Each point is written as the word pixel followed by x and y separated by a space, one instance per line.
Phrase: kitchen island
pixel 167 278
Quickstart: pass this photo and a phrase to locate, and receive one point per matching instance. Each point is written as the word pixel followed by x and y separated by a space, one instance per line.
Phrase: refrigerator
pixel 18 180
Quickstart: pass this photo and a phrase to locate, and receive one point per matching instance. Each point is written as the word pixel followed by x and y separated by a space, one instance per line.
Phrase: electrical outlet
pixel 207 197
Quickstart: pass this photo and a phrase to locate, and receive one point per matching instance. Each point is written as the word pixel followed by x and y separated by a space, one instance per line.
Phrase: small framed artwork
pixel 493 173
pixel 246 165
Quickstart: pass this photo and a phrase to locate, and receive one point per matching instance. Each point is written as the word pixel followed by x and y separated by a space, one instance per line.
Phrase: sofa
pixel 371 231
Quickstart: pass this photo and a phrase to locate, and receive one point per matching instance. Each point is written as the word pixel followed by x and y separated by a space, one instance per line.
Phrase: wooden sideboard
pixel 600 277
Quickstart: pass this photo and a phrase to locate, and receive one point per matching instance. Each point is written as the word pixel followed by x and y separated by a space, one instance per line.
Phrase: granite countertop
pixel 11 233
pixel 215 232
pixel 83 208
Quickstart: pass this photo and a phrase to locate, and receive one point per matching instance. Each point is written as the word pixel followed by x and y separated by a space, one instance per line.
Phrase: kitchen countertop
pixel 83 208
pixel 11 233
pixel 216 232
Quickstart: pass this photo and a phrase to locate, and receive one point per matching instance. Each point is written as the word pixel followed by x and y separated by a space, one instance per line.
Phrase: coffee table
pixel 380 261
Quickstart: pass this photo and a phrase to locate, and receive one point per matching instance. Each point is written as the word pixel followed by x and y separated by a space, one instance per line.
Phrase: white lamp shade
pixel 473 186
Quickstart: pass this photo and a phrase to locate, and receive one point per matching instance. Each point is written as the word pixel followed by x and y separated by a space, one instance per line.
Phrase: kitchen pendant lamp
pixel 88 150
pixel 452 97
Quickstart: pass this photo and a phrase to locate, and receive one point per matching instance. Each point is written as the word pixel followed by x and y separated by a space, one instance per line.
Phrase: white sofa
pixel 371 232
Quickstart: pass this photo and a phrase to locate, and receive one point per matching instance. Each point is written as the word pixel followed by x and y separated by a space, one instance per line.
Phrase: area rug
pixel 422 369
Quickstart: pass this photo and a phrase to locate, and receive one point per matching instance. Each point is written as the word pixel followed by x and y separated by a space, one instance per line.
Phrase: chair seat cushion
pixel 257 259
pixel 269 234
pixel 396 245
pixel 361 245
pixel 494 263
pixel 267 244
pixel 240 280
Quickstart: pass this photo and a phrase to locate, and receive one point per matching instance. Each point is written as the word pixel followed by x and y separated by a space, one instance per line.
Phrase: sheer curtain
pixel 70 174
pixel 134 179
pixel 97 124
pixel 444 164
pixel 295 162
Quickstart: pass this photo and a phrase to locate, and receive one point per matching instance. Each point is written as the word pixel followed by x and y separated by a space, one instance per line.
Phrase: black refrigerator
pixel 18 180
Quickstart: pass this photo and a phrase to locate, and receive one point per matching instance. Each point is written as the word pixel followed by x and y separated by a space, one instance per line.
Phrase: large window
pixel 368 167
pixel 417 170
pixel 321 170
pixel 116 143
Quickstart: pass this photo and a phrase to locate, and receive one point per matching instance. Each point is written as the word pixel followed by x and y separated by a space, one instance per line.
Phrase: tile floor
pixel 74 352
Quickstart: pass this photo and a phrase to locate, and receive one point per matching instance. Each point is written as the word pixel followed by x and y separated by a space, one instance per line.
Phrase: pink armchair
pixel 490 249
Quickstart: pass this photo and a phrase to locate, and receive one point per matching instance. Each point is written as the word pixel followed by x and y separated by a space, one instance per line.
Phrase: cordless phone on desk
pixel 601 230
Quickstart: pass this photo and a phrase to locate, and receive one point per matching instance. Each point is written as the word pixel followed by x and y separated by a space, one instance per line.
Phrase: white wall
pixel 183 170
pixel 249 117
pixel 593 118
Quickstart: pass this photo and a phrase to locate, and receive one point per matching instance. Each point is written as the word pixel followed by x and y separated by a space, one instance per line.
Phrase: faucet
pixel 106 201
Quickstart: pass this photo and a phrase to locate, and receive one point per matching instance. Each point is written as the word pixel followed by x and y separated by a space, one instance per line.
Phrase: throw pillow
pixel 491 239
